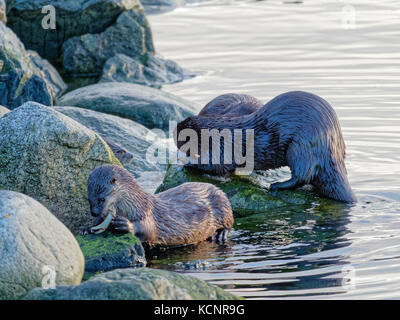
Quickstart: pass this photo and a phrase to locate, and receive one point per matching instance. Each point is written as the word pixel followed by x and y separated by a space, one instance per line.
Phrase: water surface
pixel 349 53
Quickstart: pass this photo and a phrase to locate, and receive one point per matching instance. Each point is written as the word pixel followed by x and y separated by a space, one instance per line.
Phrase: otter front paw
pixel 86 231
pixel 122 225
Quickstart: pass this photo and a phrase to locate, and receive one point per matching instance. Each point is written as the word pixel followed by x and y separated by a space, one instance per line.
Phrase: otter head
pixel 104 185
pixel 124 156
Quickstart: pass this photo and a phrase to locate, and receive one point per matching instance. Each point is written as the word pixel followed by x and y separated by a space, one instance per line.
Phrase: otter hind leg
pixel 220 236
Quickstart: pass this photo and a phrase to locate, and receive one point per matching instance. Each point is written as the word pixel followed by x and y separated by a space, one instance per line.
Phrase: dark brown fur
pixel 295 129
pixel 187 214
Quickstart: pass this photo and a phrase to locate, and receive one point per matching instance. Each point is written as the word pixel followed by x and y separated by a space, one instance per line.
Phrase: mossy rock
pixel 247 194
pixel 135 284
pixel 107 251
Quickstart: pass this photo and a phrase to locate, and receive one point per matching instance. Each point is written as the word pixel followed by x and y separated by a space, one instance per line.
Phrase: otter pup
pixel 296 129
pixel 187 214
pixel 123 155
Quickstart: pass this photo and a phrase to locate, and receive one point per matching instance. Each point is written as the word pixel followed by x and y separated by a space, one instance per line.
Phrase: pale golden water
pixel 349 53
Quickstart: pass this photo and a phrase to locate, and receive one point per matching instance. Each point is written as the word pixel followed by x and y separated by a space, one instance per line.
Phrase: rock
pixel 107 251
pixel 20 79
pixel 130 35
pixel 158 71
pixel 3 16
pixel 33 243
pixel 135 284
pixel 129 134
pixel 150 107
pixel 160 6
pixel 248 194
pixel 52 78
pixel 49 157
pixel 3 111
pixel 73 18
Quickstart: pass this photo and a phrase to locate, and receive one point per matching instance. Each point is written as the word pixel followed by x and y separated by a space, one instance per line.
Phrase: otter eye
pixel 113 181
pixel 100 200
pixel 121 152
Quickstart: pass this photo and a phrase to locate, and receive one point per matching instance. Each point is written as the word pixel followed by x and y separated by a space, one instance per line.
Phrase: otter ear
pixel 114 181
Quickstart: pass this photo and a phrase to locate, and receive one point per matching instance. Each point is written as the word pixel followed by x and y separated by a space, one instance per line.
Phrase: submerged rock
pixel 73 18
pixel 20 79
pixel 247 194
pixel 129 134
pixel 49 157
pixel 135 284
pixel 34 244
pixel 107 251
pixel 160 6
pixel 157 72
pixel 150 107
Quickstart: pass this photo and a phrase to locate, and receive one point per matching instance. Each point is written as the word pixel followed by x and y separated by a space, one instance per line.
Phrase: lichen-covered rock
pixel 247 194
pixel 130 35
pixel 49 157
pixel 33 245
pixel 73 18
pixel 3 111
pixel 150 107
pixel 50 74
pixel 129 134
pixel 107 251
pixel 3 16
pixel 20 79
pixel 135 284
pixel 156 73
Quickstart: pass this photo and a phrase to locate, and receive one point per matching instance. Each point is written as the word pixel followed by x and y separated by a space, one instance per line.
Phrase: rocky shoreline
pixel 51 139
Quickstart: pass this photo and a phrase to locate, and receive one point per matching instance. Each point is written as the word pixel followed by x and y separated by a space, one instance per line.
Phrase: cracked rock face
pixel 49 156
pixel 34 243
pixel 73 18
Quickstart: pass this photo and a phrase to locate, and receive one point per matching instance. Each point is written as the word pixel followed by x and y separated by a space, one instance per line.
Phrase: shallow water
pixel 349 53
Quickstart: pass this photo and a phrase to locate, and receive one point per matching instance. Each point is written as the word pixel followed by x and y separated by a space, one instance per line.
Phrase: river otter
pixel 123 155
pixel 187 214
pixel 295 129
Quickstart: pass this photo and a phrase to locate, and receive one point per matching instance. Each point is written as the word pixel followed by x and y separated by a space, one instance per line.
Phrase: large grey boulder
pixel 73 18
pixel 135 284
pixel 3 111
pixel 49 157
pixel 3 16
pixel 156 73
pixel 130 35
pixel 134 137
pixel 150 107
pixel 34 244
pixel 20 79
pixel 50 74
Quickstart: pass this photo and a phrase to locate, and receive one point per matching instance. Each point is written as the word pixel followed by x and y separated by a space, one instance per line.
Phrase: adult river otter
pixel 295 129
pixel 187 214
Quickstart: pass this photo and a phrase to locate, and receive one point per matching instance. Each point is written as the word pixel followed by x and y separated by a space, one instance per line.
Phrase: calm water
pixel 349 53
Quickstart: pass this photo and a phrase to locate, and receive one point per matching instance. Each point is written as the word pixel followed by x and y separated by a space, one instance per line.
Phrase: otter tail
pixel 333 183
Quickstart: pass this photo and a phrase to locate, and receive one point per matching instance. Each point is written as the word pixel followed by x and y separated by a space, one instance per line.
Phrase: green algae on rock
pixel 247 194
pixel 107 251
pixel 136 284
pixel 49 156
